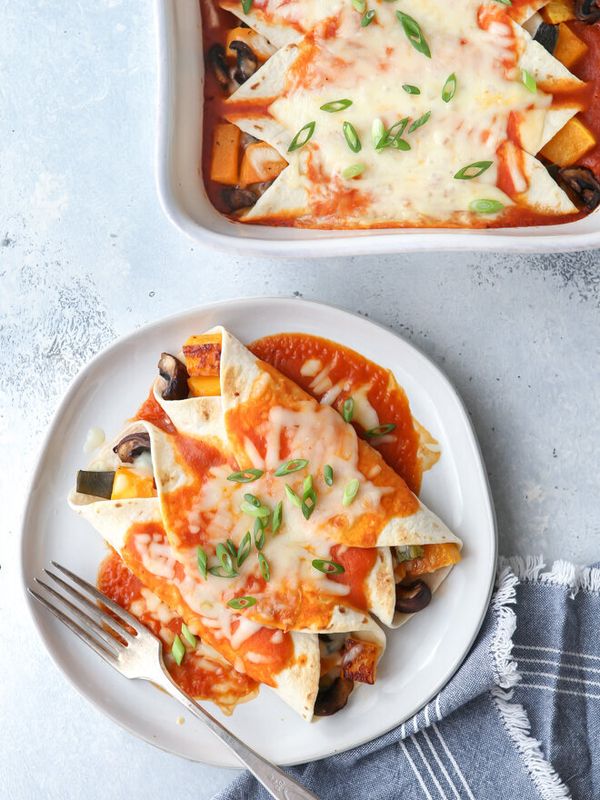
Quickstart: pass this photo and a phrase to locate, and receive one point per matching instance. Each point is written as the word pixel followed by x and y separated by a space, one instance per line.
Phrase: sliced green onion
pixel 400 144
pixel 277 515
pixel 202 561
pixel 359 5
pixel 449 89
pixel 292 496
pixel 244 549
pixel 400 125
pixel 294 465
pixel 408 552
pixel 302 137
pixel 414 34
pixel 350 491
pixel 419 122
pixel 242 602
pixel 336 105
pixel 351 137
pixel 473 170
pixel 380 430
pixel 246 6
pixel 378 133
pixel 221 572
pixel 254 511
pixel 265 570
pixel 367 18
pixel 231 549
pixel 328 474
pixel 309 501
pixel 348 409
pixel 484 206
pixel 251 498
pixel 505 2
pixel 245 475
pixel 259 535
pixel 528 81
pixel 178 649
pixel 188 635
pixel 411 89
pixel 328 567
pixel 353 171
pixel 308 484
pixel 225 558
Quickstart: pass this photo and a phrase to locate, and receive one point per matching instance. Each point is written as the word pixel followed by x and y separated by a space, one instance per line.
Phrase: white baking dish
pixel 181 188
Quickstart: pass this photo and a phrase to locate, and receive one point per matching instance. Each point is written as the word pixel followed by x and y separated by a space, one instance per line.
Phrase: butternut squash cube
pixel 129 483
pixel 570 144
pixel 225 158
pixel 204 386
pixel 569 47
pixel 261 48
pixel 558 11
pixel 260 162
pixel 203 354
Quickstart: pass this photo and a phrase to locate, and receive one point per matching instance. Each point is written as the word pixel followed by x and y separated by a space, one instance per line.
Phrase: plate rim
pixel 204 308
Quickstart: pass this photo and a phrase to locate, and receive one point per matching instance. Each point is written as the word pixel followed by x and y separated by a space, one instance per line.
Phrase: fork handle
pixel 277 782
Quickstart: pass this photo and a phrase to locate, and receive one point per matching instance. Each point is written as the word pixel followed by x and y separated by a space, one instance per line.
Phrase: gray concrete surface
pixel 86 255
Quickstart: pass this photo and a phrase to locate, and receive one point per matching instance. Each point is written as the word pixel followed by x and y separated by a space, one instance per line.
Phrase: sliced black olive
pixel 547 36
pixel 412 597
pixel 235 198
pixel 132 446
pixel 175 377
pixel 218 64
pixel 587 11
pixel 247 62
pixel 334 697
pixel 582 185
pixel 98 484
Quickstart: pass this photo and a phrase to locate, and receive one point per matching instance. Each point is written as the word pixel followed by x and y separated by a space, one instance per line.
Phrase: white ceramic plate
pixel 181 190
pixel 420 658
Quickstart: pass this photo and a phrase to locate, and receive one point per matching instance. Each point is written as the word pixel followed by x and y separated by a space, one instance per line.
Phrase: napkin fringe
pixel 513 715
pixel 562 573
pixel 515 719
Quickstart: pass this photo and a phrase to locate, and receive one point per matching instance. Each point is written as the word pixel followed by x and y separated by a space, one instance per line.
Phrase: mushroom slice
pixel 218 65
pixel 547 36
pixel 247 62
pixel 174 376
pixel 334 697
pixel 587 11
pixel 412 597
pixel 132 446
pixel 236 199
pixel 96 484
pixel 582 185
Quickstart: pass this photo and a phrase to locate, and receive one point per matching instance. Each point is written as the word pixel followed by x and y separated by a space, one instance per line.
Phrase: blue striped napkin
pixel 520 718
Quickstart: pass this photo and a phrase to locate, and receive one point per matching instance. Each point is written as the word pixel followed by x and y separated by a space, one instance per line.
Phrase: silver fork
pixel 139 655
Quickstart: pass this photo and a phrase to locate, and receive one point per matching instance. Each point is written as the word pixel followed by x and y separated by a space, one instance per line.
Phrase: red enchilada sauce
pixel 199 675
pixel 217 23
pixel 288 352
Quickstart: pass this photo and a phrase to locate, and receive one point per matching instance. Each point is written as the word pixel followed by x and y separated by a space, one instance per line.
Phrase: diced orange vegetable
pixel 203 354
pixel 257 43
pixel 435 556
pixel 558 11
pixel 204 386
pixel 359 660
pixel 260 162
pixel 129 483
pixel 225 159
pixel 570 144
pixel 569 47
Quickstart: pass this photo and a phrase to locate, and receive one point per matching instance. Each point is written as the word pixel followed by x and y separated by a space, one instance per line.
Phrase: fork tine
pixel 110 643
pixel 82 634
pixel 123 615
pixel 92 609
